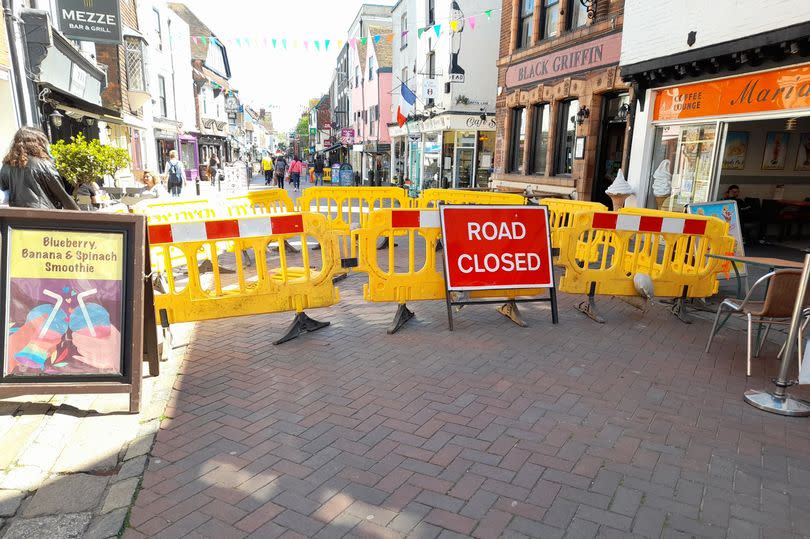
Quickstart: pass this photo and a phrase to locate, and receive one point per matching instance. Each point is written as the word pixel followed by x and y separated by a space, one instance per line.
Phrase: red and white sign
pixel 250 227
pixel 496 247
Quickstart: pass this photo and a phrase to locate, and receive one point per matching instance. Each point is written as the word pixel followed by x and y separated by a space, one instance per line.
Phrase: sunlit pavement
pixel 577 430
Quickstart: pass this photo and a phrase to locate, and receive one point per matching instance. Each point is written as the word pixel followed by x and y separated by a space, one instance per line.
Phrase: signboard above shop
pixel 600 52
pixel 98 21
pixel 779 89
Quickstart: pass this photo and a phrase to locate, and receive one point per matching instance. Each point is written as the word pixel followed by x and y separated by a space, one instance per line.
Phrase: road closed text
pixel 496 247
pixel 492 262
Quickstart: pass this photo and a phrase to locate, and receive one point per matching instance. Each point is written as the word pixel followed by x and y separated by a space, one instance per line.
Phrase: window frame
pixel 158 27
pixel 516 150
pixel 525 33
pixel 540 112
pixel 574 8
pixel 135 59
pixel 564 115
pixel 545 6
pixel 163 101
pixel 431 12
pixel 403 30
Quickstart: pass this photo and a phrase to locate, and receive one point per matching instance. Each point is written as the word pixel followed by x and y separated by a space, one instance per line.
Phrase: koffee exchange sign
pixel 90 20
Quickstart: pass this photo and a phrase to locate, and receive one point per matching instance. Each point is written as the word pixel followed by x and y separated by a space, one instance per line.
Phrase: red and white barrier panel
pixel 648 223
pixel 415 219
pixel 226 229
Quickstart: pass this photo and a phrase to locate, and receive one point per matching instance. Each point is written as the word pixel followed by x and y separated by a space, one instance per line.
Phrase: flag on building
pixel 406 105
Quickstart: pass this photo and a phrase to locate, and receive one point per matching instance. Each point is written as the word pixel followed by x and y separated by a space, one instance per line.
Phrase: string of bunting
pixel 322 45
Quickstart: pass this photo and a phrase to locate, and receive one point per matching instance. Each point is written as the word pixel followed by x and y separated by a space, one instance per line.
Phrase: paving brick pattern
pixel 580 430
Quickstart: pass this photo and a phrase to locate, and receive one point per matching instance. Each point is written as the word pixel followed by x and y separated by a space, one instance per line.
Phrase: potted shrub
pixel 80 161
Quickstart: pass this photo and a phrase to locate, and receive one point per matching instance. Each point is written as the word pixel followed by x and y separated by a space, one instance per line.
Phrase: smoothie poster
pixel 64 303
pixel 726 211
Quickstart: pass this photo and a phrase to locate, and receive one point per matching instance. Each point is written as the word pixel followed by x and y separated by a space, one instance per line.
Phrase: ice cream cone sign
pixel 618 191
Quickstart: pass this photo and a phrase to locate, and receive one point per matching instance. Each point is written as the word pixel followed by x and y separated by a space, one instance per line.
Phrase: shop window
pixel 566 135
pixel 136 73
pixel 371 68
pixel 431 11
pixel 577 15
pixel 540 125
pixel 135 149
pixel 682 165
pixel 517 139
pixel 164 112
pixel 526 24
pixel 551 18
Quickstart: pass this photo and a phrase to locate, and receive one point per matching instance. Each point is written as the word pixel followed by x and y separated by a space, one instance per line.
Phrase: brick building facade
pixel 562 108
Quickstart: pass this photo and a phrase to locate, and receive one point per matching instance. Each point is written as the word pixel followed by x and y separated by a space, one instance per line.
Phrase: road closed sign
pixel 496 247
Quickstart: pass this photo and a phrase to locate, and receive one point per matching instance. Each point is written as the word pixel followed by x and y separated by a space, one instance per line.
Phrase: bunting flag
pixel 322 45
pixel 407 104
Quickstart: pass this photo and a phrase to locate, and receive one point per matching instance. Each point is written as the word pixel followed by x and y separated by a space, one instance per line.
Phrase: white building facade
pixel 171 107
pixel 449 139
pixel 718 104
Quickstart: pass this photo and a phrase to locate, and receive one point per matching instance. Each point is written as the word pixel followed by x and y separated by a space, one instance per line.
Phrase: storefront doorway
pixel 611 144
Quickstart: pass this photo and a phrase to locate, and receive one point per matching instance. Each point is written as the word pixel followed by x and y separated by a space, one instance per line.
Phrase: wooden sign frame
pixel 133 328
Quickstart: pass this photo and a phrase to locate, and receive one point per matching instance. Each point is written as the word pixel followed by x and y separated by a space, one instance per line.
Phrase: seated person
pixel 749 217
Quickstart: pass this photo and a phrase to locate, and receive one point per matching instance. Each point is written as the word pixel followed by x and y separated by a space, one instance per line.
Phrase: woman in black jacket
pixel 29 176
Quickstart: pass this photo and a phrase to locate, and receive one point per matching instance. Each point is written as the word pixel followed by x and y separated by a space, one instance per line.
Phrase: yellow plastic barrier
pixel 390 282
pixel 349 208
pixel 430 198
pixel 561 215
pixel 261 202
pixel 669 247
pixel 277 289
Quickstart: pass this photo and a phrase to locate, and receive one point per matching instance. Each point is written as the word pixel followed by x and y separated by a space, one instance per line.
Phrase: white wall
pixel 478 54
pixel 8 120
pixel 654 29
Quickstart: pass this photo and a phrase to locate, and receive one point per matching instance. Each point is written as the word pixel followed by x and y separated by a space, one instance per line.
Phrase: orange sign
pixel 782 89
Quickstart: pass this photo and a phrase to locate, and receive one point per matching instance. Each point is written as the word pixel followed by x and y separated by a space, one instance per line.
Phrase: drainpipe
pixel 8 14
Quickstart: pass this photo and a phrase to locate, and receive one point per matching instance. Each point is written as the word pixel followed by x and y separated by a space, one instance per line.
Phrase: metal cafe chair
pixel 782 286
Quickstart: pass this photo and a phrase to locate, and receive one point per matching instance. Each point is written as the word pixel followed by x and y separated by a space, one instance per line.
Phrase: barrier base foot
pixel 679 310
pixel 510 310
pixel 339 277
pixel 206 266
pixel 459 296
pixel 588 308
pixel 383 242
pixel 301 324
pixel 403 315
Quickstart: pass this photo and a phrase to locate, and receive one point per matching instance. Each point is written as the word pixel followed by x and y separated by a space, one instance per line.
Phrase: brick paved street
pixel 579 430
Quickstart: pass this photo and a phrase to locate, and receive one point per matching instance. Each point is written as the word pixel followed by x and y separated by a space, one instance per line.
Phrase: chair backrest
pixel 783 288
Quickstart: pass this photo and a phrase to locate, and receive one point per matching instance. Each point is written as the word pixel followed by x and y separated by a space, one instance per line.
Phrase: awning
pixel 76 105
pixel 332 148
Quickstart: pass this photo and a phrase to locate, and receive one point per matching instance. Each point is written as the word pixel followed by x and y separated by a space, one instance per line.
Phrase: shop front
pixel 751 131
pixel 451 151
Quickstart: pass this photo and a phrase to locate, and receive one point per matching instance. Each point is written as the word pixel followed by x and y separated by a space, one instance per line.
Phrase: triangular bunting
pixel 488 13
pixel 284 43
pixel 420 31
pixel 204 40
pixel 377 38
pixel 363 40
pixel 317 45
pixel 195 39
pixel 454 26
pixel 326 44
pixel 472 22
pixel 340 44
pixel 306 44
pixel 274 42
pixel 389 38
pixel 247 42
pixel 238 42
pixel 438 29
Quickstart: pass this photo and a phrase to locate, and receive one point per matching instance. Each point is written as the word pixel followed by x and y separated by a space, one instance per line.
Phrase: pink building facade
pixel 371 108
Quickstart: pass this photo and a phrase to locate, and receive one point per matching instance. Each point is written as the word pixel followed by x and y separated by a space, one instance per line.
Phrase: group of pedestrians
pixel 279 170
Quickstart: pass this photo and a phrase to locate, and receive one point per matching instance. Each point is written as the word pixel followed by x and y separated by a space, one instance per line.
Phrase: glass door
pixel 464 167
pixel 682 166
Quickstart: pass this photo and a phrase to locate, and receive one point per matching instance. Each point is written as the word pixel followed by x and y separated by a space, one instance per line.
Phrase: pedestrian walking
pixel 296 168
pixel 213 167
pixel 29 176
pixel 318 170
pixel 279 169
pixel 175 174
pixel 267 166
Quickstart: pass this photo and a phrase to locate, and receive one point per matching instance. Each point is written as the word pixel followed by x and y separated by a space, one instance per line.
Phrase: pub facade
pixel 562 109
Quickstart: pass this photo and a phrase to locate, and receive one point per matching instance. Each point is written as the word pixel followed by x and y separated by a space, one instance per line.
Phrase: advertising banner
pixel 347 136
pixel 496 247
pixel 64 303
pixel 98 21
pixel 726 211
